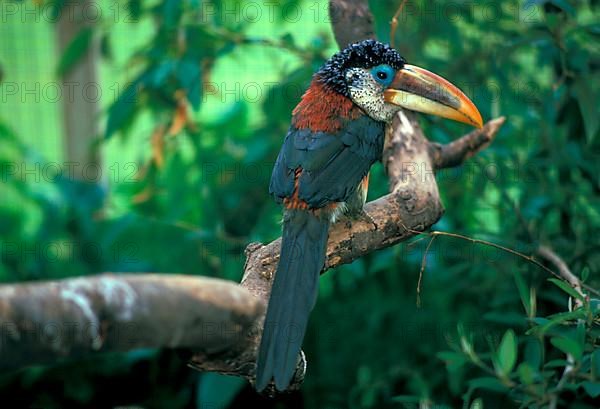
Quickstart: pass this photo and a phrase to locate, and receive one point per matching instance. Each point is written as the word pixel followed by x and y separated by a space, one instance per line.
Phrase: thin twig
pixel 412 243
pixel 573 280
pixel 544 251
pixel 529 258
pixel 548 254
pixel 423 264
pixel 394 23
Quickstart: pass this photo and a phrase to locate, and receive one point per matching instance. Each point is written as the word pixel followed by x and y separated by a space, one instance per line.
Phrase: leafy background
pixel 194 110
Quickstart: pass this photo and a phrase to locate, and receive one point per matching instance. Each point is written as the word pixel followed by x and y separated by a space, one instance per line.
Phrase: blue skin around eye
pixel 389 71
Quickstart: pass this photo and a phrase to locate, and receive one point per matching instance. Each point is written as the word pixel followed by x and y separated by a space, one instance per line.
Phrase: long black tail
pixel 293 296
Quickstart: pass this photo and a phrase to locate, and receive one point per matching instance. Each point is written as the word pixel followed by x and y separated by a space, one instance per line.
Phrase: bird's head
pixel 377 79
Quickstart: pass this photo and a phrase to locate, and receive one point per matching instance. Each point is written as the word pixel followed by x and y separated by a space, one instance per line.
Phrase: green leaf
pixel 567 288
pixel 564 5
pixel 561 4
pixel 562 317
pixel 106 50
pixel 506 355
pixel 74 51
pixel 592 388
pixel 489 383
pixel 172 12
pixel 585 273
pixel 541 321
pixel 533 353
pixel 135 9
pixel 465 343
pixel 189 76
pixel 568 346
pixel 121 111
pixel 523 292
pixel 508 319
pixel 595 364
pixel 587 99
pixel 56 8
pixel 406 399
pixel 219 390
pixel 556 363
pixel 453 360
pixel 477 404
pixel 161 72
pixel 593 29
pixel 526 373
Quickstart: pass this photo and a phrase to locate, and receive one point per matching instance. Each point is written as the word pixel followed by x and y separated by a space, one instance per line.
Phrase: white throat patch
pixel 368 94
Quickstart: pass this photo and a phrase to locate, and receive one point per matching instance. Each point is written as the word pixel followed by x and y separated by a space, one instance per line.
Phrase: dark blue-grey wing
pixel 330 166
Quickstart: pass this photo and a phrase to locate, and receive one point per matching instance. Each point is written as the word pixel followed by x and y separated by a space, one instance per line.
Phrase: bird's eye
pixel 383 74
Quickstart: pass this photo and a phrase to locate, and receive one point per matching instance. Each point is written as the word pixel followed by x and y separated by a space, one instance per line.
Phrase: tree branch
pixel 351 21
pixel 457 152
pixel 43 322
pixel 548 254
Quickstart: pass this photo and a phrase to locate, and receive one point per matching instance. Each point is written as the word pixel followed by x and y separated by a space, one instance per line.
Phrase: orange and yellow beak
pixel 417 89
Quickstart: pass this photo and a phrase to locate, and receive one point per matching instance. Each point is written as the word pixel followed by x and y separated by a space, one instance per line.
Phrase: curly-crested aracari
pixel 336 134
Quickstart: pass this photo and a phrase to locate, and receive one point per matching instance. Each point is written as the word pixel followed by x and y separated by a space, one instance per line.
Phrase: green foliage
pixel 540 377
pixel 189 155
pixel 506 356
pixel 75 50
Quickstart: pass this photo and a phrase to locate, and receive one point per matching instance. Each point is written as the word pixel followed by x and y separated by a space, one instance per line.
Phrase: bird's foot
pixel 359 215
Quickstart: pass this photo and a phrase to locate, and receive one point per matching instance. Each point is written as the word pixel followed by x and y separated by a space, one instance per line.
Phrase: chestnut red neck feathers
pixel 323 109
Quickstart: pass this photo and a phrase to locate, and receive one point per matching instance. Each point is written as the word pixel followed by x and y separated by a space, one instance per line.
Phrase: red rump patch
pixel 294 202
pixel 324 110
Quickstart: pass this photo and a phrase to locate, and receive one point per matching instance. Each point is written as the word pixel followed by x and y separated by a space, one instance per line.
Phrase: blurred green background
pixel 193 99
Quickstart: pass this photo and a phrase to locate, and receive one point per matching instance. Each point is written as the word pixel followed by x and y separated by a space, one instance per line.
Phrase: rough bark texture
pixel 45 321
pixel 413 204
pixel 351 21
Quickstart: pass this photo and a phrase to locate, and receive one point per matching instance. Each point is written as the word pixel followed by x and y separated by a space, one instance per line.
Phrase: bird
pixel 336 133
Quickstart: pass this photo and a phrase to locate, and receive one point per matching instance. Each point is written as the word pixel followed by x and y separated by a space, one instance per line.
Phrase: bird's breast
pixel 324 110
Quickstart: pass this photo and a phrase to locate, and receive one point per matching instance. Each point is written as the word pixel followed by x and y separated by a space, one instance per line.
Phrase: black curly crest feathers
pixel 365 54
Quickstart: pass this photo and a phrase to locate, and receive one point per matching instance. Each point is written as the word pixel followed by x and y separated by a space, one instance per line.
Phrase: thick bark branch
pixel 45 321
pixel 351 21
pixel 457 152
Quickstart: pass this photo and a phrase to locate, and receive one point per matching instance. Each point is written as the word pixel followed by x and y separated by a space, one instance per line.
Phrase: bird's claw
pixel 359 215
pixel 364 215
